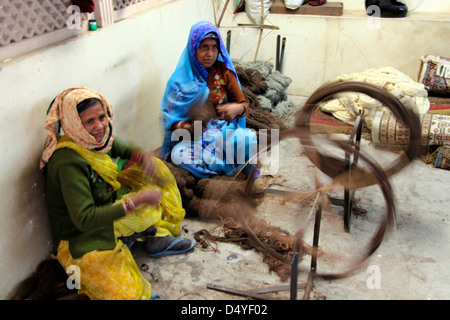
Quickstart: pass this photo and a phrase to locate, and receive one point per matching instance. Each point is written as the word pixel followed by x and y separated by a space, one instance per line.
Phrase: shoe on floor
pixel 162 246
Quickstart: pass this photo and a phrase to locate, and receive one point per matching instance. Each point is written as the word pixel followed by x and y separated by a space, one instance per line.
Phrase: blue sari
pixel 222 147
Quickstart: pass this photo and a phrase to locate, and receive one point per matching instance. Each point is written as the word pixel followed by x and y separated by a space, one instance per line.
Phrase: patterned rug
pixel 443 158
pixel 387 130
pixel 439 108
pixel 323 122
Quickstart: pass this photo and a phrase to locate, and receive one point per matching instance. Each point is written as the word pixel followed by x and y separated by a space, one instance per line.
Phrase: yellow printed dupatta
pixel 113 274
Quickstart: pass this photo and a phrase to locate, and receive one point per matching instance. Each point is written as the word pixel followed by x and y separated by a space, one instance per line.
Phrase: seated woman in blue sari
pixel 205 75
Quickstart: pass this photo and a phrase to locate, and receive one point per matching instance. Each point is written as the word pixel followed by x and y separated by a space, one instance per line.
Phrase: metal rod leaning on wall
pixel 280 54
pixel 228 41
pixel 277 54
pixel 283 45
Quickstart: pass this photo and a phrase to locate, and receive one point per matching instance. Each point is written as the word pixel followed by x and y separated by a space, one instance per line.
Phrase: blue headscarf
pixel 187 87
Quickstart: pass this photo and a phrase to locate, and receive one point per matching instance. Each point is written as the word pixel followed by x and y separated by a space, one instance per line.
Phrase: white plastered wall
pixel 320 48
pixel 129 63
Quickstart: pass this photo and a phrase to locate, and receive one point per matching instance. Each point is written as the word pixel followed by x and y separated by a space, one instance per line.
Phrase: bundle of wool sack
pixel 196 192
pixel 269 86
pixel 348 105
pixel 186 183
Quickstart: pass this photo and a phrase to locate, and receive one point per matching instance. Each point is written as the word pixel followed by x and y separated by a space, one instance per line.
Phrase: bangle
pixel 136 156
pixel 139 157
pixel 180 124
pixel 243 109
pixel 128 205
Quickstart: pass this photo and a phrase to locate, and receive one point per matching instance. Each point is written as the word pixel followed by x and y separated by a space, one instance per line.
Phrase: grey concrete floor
pixel 412 261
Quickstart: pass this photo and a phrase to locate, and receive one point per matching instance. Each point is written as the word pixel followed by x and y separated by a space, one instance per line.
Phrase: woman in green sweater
pixel 95 208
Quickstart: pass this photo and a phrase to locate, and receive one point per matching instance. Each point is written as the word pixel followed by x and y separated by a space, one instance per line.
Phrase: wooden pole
pixel 223 12
pixel 260 30
pixel 214 10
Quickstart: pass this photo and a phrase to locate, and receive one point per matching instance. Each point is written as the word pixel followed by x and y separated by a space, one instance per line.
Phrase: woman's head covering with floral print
pixel 63 114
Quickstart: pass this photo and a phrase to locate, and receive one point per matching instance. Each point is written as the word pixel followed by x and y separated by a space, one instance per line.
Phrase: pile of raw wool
pixel 196 192
pixel 235 206
pixel 224 199
pixel 269 86
pixel 348 105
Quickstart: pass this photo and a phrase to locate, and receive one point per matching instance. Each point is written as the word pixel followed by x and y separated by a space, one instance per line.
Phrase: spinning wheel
pixel 356 177
pixel 346 173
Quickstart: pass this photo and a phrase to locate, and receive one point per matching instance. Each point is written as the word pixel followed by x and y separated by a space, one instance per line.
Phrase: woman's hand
pixel 183 125
pixel 150 197
pixel 144 159
pixel 147 196
pixel 230 111
pixel 147 164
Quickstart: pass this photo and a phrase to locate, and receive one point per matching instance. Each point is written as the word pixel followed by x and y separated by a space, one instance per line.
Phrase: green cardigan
pixel 80 203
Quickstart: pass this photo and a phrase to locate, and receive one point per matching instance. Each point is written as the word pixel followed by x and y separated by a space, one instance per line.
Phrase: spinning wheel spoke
pixel 348 173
